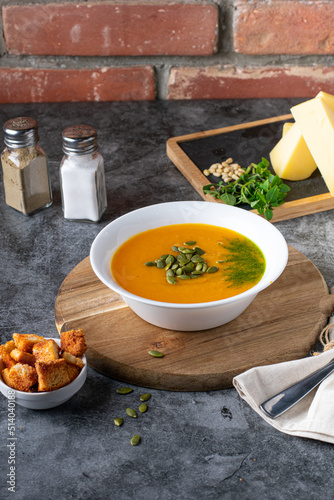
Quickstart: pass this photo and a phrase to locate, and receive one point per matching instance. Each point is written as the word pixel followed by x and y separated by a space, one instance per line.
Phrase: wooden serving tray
pixel 282 323
pixel 246 143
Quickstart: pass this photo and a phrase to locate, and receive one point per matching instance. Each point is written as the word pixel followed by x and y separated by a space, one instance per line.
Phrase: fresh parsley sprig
pixel 257 187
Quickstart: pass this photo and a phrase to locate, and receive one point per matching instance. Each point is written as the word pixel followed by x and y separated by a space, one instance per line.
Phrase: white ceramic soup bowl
pixel 197 316
pixel 44 400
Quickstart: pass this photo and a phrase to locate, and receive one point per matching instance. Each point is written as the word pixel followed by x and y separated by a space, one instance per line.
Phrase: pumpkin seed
pixel 124 390
pixel 142 408
pixel 188 251
pixel 135 440
pixel 171 280
pixel 188 267
pixel 183 258
pixel 156 354
pixel 118 421
pixel 132 413
pixel 199 251
pixel 197 258
pixel 212 269
pixel 188 264
pixel 145 397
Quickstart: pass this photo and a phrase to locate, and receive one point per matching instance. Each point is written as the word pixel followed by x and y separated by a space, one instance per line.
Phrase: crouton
pixel 25 342
pixel 52 375
pixel 72 359
pixel 20 377
pixel 9 346
pixel 23 357
pixel 8 361
pixel 47 350
pixel 73 342
pixel 73 371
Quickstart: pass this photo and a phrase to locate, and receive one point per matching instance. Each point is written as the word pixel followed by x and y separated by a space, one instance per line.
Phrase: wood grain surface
pixel 289 210
pixel 281 324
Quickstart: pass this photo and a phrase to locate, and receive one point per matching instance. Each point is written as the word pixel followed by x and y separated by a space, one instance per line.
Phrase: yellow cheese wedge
pixel 328 98
pixel 286 127
pixel 316 122
pixel 291 158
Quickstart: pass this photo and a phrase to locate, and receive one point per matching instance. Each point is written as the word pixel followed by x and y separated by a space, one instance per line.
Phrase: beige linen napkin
pixel 313 416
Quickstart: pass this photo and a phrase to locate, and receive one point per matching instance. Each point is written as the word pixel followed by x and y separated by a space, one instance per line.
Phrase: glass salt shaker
pixel 25 167
pixel 82 177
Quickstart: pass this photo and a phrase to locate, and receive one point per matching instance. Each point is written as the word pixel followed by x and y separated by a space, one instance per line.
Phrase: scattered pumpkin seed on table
pixel 132 413
pixel 142 408
pixel 118 421
pixel 145 397
pixel 156 354
pixel 135 440
pixel 124 390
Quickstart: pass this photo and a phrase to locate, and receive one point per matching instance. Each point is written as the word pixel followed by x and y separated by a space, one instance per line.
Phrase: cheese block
pixel 286 127
pixel 328 98
pixel 291 158
pixel 316 122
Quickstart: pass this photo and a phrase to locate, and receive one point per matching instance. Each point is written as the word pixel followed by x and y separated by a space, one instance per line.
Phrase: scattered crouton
pixel 47 350
pixel 23 357
pixel 8 361
pixel 73 342
pixel 73 371
pixel 25 342
pixel 20 377
pixel 52 375
pixel 72 359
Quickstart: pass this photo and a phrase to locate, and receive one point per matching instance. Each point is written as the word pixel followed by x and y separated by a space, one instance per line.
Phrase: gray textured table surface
pixel 202 445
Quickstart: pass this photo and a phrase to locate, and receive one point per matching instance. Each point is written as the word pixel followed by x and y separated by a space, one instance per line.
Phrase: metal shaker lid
pixel 21 132
pixel 79 140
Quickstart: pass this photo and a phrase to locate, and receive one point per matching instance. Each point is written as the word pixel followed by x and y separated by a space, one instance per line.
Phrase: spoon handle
pixel 284 400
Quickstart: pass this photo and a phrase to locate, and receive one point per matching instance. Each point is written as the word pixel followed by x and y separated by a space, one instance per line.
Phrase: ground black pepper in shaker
pixel 25 167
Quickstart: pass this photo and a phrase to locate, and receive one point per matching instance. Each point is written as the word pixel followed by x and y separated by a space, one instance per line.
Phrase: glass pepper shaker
pixel 25 167
pixel 82 177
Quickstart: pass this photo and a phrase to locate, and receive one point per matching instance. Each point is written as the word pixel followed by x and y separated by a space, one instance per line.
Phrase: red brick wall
pixel 162 49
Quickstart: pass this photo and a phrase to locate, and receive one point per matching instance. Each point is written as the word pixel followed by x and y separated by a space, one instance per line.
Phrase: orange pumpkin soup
pixel 188 263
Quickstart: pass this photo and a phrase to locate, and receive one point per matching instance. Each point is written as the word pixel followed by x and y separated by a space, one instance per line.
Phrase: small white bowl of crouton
pixel 41 373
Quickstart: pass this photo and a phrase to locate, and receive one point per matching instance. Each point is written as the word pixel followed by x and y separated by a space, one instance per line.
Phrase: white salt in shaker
pixel 82 178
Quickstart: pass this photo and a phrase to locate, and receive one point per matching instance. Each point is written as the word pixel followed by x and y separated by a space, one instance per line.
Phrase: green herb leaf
pixel 268 214
pixel 229 199
pixel 257 187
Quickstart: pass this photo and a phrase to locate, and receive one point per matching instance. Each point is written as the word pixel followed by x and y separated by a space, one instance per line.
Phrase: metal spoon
pixel 284 400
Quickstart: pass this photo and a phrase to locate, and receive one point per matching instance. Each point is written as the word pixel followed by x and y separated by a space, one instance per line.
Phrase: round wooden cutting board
pixel 281 324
